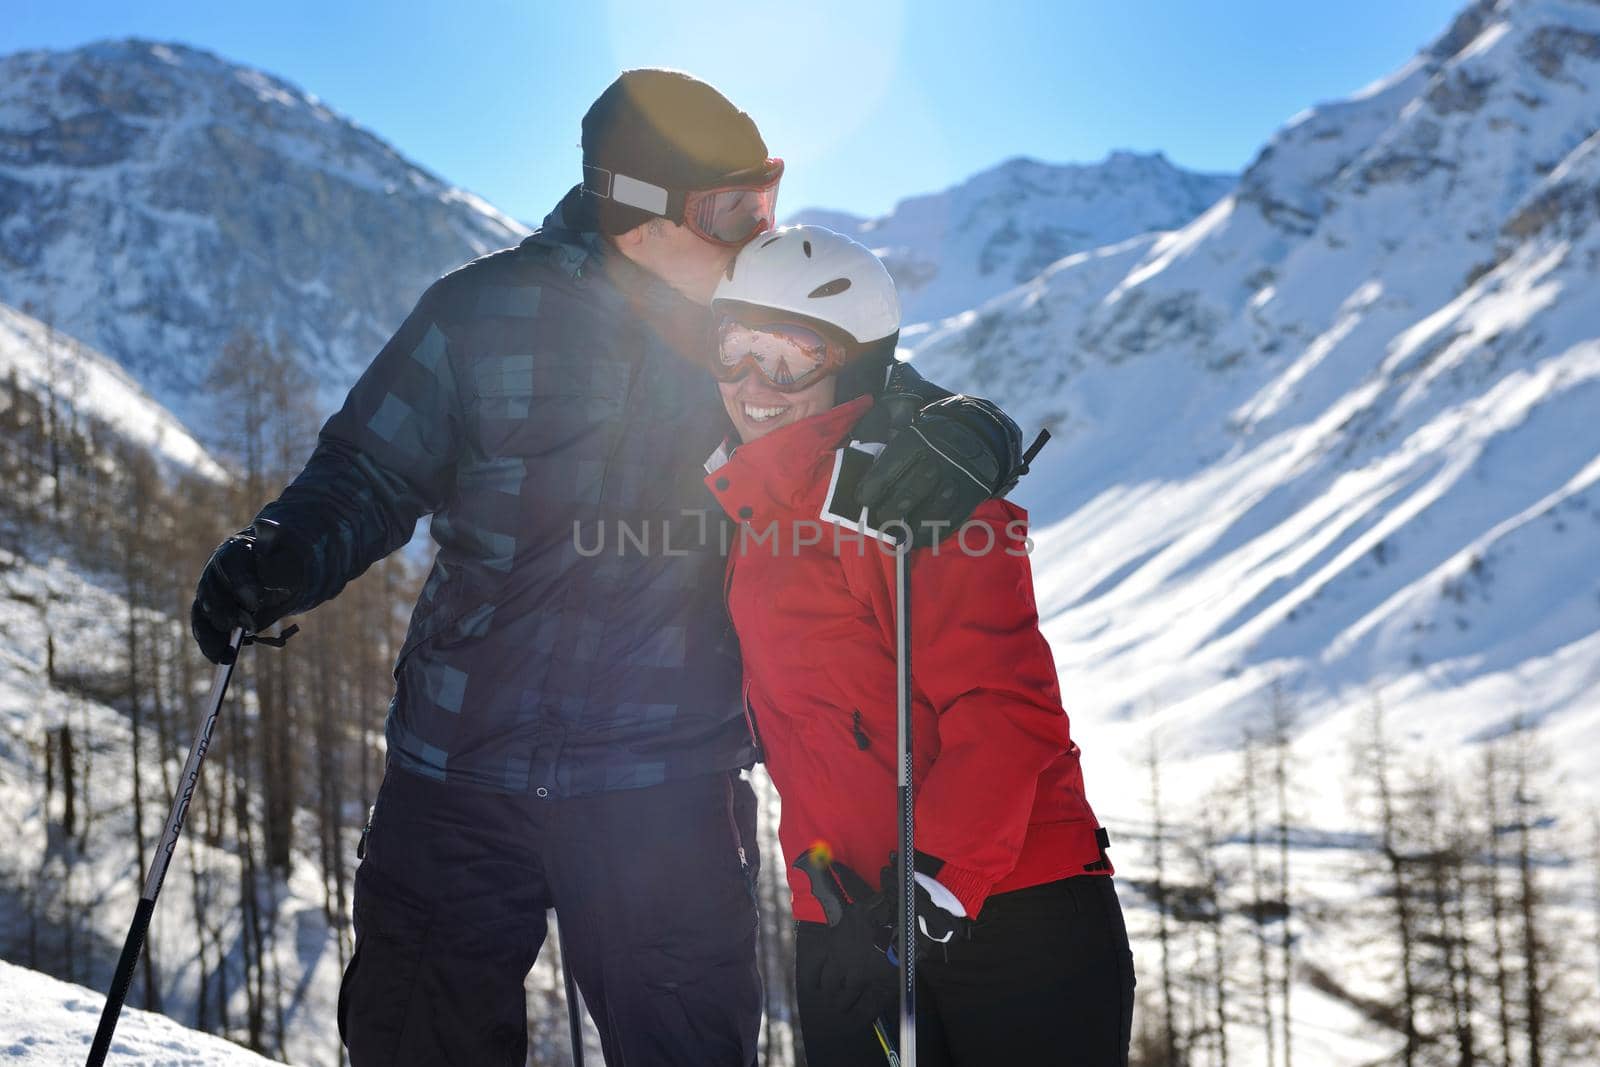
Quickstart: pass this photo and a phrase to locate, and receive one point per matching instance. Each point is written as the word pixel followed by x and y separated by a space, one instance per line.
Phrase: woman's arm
pixel 978 657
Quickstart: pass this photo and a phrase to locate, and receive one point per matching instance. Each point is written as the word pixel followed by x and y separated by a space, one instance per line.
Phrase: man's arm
pixel 946 454
pixel 382 461
pixel 385 459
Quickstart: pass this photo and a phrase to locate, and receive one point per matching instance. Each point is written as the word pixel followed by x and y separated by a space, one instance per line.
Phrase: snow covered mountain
pixel 953 250
pixel 44 360
pixel 1341 430
pixel 154 198
pixel 49 1023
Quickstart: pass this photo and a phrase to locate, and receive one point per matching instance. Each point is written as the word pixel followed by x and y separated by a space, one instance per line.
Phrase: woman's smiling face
pixel 757 409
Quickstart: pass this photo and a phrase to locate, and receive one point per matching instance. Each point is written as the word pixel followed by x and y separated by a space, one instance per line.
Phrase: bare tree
pixel 1528 899
pixel 1391 847
pixel 1281 726
pixel 134 536
pixel 1259 910
pixel 1442 953
pixel 1489 880
pixel 1451 885
pixel 1594 860
pixel 1159 893
pixel 1213 968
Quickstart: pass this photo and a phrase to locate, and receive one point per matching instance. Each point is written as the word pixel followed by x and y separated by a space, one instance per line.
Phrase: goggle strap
pixel 625 189
pixel 596 180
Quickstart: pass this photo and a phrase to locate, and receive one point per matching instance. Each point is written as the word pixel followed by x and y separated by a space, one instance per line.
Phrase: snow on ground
pixel 47 1023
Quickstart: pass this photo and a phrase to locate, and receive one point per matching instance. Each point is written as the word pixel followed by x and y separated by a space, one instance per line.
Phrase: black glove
pixel 251 581
pixel 953 455
pixel 937 925
pixel 848 973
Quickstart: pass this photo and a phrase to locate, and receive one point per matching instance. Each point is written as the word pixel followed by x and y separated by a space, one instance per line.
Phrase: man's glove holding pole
pixel 252 580
pixel 949 457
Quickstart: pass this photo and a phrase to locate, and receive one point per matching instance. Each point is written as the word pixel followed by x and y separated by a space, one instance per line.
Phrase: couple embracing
pixel 570 730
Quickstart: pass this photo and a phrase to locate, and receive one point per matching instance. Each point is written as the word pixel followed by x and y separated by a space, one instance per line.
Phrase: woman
pixel 1023 955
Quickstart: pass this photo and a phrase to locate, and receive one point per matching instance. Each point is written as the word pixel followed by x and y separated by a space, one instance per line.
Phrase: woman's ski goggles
pixel 789 355
pixel 732 214
pixel 728 214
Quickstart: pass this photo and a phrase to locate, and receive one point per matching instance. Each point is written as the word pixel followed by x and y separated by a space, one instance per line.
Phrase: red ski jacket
pixel 999 792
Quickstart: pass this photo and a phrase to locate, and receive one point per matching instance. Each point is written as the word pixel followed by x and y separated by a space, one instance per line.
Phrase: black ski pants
pixel 1045 979
pixel 653 890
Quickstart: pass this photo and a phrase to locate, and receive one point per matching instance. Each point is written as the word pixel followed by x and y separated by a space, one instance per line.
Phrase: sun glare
pixel 811 75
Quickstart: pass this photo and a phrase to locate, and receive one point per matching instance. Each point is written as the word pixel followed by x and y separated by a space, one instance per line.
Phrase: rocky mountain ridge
pixel 155 198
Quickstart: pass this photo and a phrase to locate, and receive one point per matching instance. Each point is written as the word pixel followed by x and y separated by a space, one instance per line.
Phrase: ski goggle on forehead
pixel 728 214
pixel 790 356
pixel 732 214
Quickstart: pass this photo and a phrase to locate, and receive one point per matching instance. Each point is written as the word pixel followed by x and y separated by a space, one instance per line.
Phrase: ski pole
pixel 134 945
pixel 904 932
pixel 574 1020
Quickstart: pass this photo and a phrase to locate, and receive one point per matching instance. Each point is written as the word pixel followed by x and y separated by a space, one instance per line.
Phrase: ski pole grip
pixel 823 885
pixel 129 960
pixel 1033 449
pixel 274 642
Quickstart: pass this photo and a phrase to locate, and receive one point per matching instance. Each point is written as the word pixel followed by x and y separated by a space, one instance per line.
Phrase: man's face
pixel 678 256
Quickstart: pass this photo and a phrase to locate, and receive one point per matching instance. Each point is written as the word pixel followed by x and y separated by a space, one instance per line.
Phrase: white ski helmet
pixel 819 275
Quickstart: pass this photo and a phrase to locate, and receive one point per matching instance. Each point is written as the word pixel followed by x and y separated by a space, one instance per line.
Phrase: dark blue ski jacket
pixel 545 406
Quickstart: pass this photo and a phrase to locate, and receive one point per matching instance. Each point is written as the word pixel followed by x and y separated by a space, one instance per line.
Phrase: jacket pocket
pixel 376 993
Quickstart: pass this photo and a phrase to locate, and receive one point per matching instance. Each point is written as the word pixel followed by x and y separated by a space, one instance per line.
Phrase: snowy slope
pixel 154 198
pixel 953 250
pixel 48 1023
pixel 44 360
pixel 1341 429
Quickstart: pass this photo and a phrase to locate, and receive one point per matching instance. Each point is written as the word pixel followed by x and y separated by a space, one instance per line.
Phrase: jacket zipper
pixel 749 710
pixel 733 824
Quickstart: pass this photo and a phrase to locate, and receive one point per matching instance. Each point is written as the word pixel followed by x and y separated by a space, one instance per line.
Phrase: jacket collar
pixel 571 232
pixel 783 475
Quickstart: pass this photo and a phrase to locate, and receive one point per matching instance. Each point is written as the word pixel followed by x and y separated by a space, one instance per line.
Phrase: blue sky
pixel 868 102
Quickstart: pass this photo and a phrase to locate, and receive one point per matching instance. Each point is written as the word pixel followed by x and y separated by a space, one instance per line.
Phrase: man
pixel 567 729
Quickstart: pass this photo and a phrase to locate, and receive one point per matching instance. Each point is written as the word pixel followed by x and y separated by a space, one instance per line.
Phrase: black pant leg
pixel 450 905
pixel 1046 978
pixel 658 912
